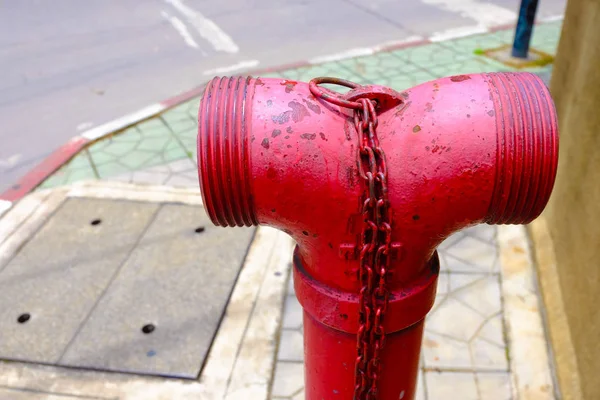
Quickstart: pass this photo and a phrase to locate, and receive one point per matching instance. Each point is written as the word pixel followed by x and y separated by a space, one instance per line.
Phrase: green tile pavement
pixel 170 138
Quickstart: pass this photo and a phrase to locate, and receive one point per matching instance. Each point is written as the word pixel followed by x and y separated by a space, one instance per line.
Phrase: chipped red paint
pixel 484 150
pixel 459 78
pixel 289 85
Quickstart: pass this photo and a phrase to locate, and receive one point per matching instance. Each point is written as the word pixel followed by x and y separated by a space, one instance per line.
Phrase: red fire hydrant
pixel 369 183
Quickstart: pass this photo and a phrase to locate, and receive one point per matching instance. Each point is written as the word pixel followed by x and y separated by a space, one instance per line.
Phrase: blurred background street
pixel 68 66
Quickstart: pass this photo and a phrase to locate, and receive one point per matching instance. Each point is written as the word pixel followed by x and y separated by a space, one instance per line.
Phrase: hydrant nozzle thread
pixel 527 152
pixel 223 151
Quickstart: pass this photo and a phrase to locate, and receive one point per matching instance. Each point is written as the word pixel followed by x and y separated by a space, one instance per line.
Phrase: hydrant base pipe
pixel 460 150
pixel 330 326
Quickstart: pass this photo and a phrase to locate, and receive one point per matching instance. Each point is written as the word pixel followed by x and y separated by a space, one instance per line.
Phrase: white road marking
pixel 351 53
pixel 483 13
pixel 84 125
pixel 4 206
pixel 123 122
pixel 362 51
pixel 181 29
pixel 10 161
pixel 230 68
pixel 455 33
pixel 210 31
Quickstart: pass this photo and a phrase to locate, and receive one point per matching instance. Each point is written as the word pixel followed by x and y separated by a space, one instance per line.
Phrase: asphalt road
pixel 69 65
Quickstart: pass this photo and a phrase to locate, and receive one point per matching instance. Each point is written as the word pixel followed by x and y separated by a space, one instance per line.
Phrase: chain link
pixel 375 242
pixel 374 257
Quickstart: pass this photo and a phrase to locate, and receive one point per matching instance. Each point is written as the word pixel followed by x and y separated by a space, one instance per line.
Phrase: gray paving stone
pixel 291 346
pixel 183 179
pixel 183 165
pixel 57 277
pixel 292 313
pixel 176 279
pixel 447 385
pixel 289 379
pixel 475 252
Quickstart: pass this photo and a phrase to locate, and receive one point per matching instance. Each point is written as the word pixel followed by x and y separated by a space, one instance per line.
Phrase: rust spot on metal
pixel 323 136
pixel 259 82
pixel 439 148
pixel 404 94
pixel 347 130
pixel 265 143
pixel 459 78
pixel 416 128
pixel 491 113
pixel 416 217
pixel 468 115
pixel 312 106
pixel 269 103
pixel 275 133
pixel 271 173
pixel 428 107
pixel 308 136
pixel 289 85
pixel 286 137
pixel 289 129
pixel 305 233
pixel 350 176
pixel 289 146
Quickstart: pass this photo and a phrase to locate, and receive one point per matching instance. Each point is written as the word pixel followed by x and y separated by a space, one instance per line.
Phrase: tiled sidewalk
pixel 162 150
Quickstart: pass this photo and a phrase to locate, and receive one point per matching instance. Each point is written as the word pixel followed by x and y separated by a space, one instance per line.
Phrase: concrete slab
pixel 162 311
pixel 48 288
pixel 240 362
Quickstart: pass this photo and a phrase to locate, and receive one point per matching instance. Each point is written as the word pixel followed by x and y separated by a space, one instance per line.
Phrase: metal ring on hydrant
pixel 331 96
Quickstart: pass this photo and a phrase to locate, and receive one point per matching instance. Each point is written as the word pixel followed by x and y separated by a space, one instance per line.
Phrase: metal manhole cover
pixel 120 286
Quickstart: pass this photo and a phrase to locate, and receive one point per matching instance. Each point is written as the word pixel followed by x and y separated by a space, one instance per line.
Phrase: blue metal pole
pixel 524 28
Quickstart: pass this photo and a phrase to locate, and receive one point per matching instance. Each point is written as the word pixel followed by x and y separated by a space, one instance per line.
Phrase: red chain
pixel 376 235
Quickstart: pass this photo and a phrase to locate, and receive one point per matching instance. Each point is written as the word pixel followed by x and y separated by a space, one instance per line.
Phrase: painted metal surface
pixel 460 150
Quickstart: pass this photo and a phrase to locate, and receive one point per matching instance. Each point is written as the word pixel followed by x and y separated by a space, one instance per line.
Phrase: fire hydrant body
pixel 458 151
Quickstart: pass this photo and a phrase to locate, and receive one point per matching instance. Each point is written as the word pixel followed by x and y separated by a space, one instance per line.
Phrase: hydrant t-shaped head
pixel 459 151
